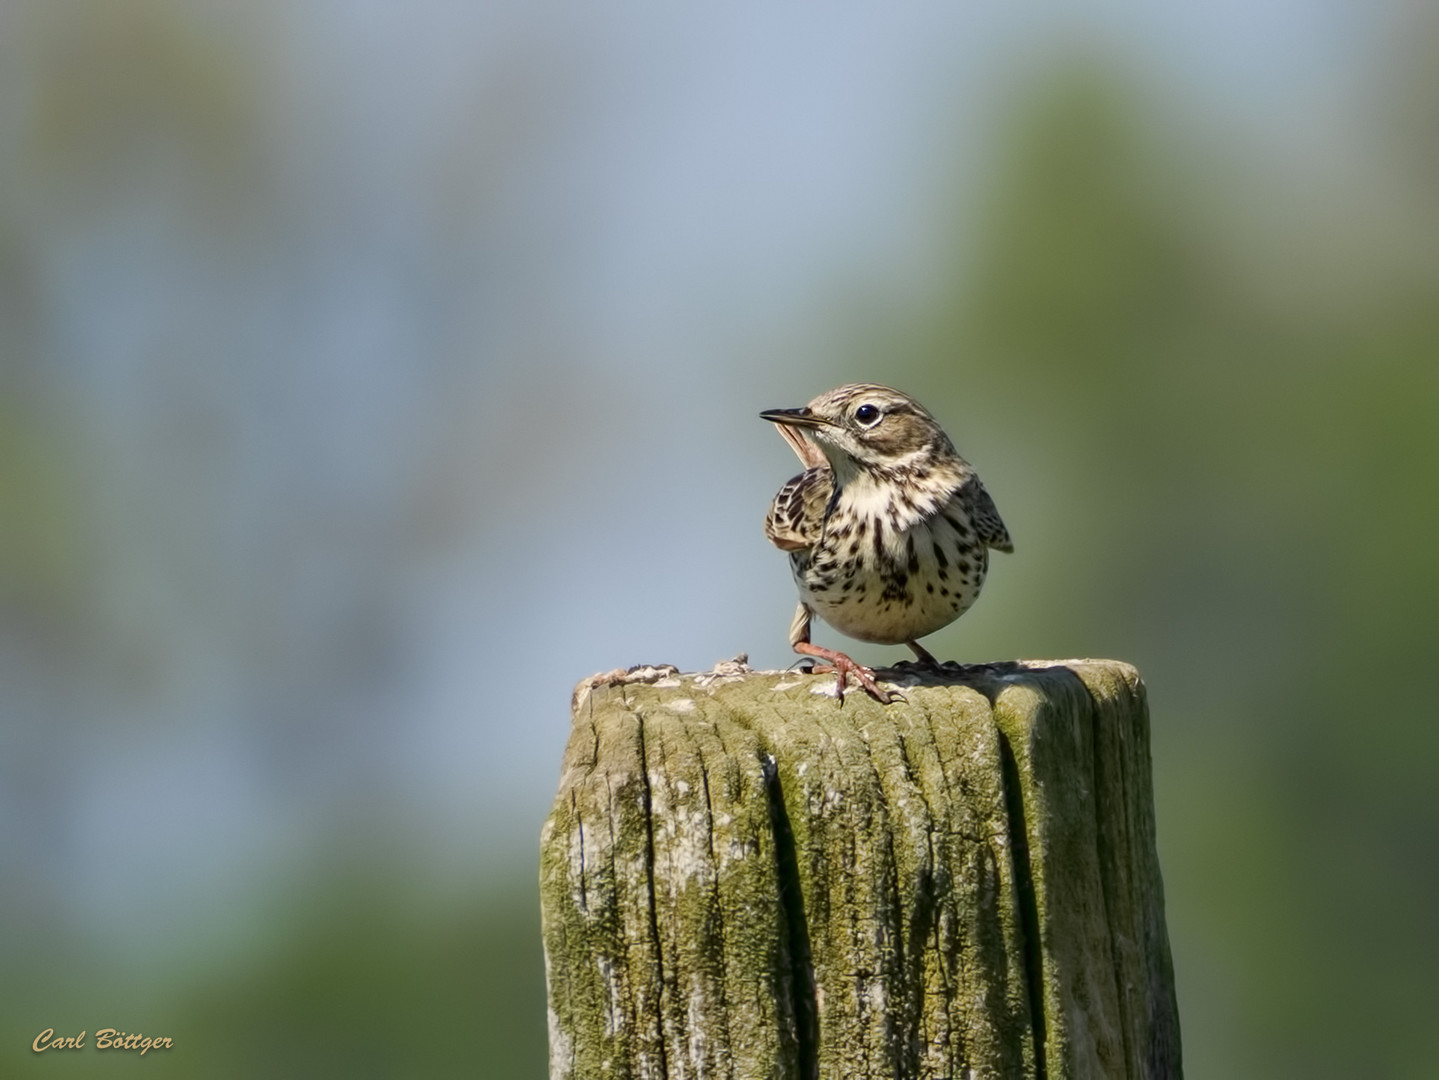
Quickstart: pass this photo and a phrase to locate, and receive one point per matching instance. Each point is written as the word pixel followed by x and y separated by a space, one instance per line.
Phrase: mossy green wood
pixel 742 879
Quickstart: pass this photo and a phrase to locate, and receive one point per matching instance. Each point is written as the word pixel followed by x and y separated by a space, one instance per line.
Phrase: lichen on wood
pixel 741 878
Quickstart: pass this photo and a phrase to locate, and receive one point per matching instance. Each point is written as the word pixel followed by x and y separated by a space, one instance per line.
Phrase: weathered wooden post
pixel 742 879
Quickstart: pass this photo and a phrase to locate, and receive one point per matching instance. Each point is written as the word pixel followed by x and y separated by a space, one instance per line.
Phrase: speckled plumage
pixel 888 529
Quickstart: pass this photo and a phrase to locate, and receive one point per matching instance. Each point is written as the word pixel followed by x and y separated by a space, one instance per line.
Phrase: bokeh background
pixel 371 372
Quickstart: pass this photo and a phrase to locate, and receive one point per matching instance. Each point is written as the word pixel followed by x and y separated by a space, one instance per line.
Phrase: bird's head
pixel 861 426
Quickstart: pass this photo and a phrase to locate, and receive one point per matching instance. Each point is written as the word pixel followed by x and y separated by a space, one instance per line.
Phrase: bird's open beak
pixel 801 418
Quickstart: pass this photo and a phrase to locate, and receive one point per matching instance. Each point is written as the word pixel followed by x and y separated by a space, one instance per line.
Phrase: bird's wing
pixel 796 516
pixel 984 515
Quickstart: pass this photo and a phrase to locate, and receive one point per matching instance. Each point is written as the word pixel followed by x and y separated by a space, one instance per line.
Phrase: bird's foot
pixel 844 668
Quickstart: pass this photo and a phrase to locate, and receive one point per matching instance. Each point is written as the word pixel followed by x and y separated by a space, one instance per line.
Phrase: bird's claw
pixel 844 668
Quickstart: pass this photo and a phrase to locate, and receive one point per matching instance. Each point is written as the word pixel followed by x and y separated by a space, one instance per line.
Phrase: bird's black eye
pixel 866 414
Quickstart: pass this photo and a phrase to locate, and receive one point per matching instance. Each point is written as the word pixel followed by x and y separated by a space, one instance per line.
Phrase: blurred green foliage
pixel 362 984
pixel 42 545
pixel 1243 504
pixel 128 96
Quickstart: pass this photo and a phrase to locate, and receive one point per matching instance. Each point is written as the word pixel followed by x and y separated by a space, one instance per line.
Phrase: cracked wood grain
pixel 741 880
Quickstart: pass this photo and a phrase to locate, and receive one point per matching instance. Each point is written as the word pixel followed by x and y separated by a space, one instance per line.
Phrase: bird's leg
pixel 842 665
pixel 925 656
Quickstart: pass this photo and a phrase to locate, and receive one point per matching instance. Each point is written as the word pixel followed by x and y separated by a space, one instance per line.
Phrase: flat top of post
pixel 1103 678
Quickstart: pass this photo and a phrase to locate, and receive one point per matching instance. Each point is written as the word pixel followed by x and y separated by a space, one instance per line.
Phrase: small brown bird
pixel 888 529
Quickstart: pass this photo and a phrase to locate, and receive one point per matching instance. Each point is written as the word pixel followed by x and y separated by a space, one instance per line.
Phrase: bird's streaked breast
pixel 877 582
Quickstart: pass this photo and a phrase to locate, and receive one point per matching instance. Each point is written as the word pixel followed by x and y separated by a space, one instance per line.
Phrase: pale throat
pixel 847 468
pixel 862 494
